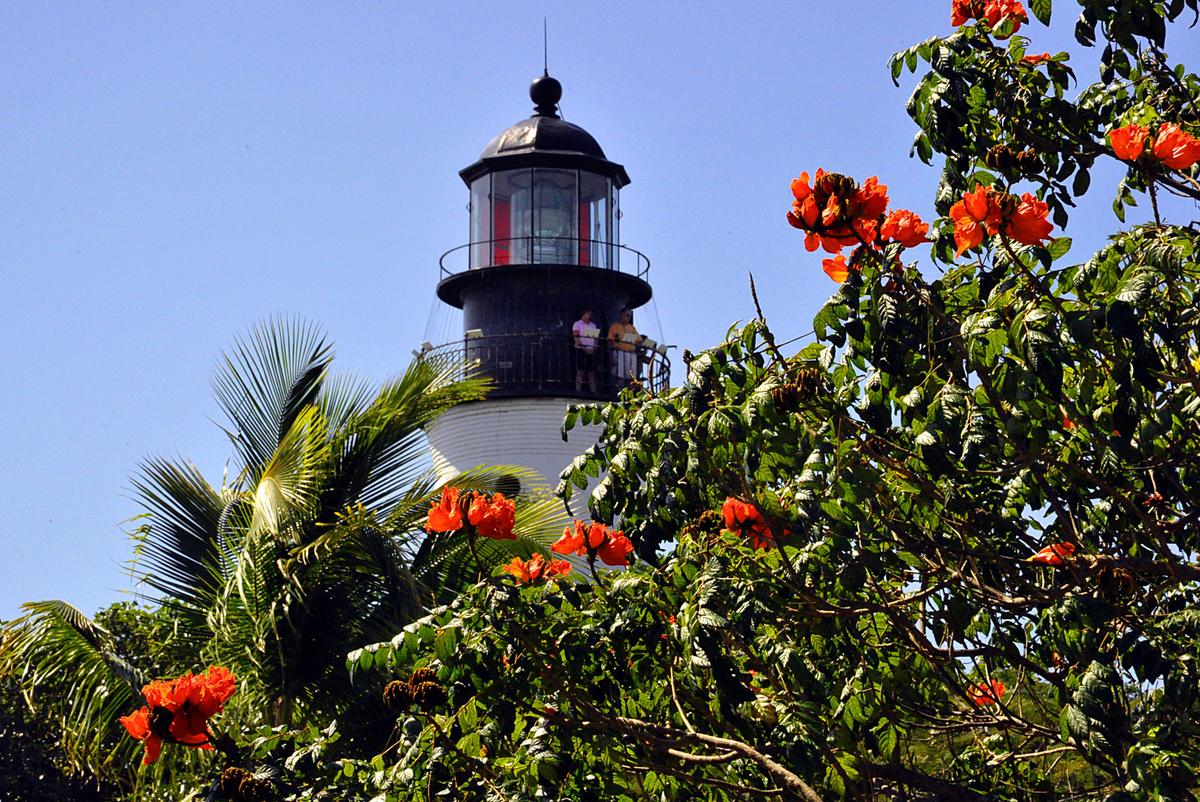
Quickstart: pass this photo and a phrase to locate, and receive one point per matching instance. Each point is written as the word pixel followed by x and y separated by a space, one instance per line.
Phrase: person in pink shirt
pixel 585 350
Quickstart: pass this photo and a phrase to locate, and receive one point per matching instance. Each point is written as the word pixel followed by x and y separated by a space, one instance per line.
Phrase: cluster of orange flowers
pixel 612 547
pixel 177 711
pixel 993 12
pixel 986 693
pixel 535 569
pixel 988 210
pixel 1172 146
pixel 835 212
pixel 488 514
pixel 743 518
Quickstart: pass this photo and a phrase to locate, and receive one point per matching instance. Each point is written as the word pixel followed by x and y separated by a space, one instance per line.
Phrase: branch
pixel 631 726
pixel 945 791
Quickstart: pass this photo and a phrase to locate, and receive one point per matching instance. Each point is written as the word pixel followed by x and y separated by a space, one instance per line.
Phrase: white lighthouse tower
pixel 544 246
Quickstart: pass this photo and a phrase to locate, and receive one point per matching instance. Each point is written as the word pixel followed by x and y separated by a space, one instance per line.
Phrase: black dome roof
pixel 545 139
pixel 543 134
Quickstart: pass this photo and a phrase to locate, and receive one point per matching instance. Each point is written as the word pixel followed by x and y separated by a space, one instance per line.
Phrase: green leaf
pixel 468 716
pixel 445 643
pixel 1041 10
pixel 888 736
pixel 1058 247
pixel 1074 723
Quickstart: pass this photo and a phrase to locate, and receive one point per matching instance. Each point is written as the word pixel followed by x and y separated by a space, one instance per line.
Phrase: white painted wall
pixel 507 431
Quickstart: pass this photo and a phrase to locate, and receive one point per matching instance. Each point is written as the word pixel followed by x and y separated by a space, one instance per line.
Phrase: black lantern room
pixel 544 245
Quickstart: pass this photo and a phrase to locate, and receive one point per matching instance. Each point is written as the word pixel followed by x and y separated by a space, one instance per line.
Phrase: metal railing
pixel 544 251
pixel 547 364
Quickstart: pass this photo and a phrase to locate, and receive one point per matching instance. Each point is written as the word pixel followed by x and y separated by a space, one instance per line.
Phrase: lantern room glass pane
pixel 595 220
pixel 481 221
pixel 555 219
pixel 512 216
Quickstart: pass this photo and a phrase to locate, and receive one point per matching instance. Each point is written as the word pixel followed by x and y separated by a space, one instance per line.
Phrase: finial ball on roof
pixel 545 92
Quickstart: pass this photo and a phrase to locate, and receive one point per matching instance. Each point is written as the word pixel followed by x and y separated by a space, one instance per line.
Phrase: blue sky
pixel 175 173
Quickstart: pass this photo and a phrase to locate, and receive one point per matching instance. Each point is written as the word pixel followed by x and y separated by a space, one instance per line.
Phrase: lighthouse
pixel 540 281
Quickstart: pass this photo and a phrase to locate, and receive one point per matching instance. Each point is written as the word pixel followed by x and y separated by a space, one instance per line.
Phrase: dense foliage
pixel 947 550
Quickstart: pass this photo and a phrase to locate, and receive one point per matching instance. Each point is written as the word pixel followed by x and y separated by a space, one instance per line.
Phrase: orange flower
pixel 178 710
pixel 743 518
pixel 1053 554
pixel 972 215
pixel 492 517
pixel 536 568
pixel 1175 148
pixel 996 11
pixel 1068 424
pixel 904 227
pixel 986 210
pixel 1028 224
pixel 836 268
pixel 835 212
pixel 1040 58
pixel 1128 141
pixel 962 11
pixel 993 12
pixel 986 693
pixel 445 515
pixel 613 548
pixel 137 724
pixel 573 539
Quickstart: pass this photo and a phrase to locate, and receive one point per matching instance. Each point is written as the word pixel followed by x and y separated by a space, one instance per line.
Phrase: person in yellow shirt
pixel 623 341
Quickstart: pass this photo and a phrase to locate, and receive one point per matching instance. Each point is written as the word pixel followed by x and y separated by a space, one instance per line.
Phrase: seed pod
pixel 1113 581
pixel 231 779
pixel 422 675
pixel 160 722
pixel 254 789
pixel 709 524
pixel 998 157
pixel 397 695
pixel 786 397
pixel 1008 203
pixel 835 184
pixel 1028 162
pixel 429 695
pixel 810 382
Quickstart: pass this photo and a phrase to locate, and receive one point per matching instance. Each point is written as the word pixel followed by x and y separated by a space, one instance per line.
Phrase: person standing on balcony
pixel 585 350
pixel 623 339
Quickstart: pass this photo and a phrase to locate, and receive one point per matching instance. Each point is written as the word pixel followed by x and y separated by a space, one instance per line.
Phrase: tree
pixel 313 548
pixel 946 551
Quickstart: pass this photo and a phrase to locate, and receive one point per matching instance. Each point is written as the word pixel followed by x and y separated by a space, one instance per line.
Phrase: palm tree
pixel 313 548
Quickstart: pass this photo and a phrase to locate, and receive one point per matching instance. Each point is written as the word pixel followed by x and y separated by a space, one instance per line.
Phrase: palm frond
pixel 264 382
pixel 67 663
pixel 291 479
pixel 343 397
pixel 379 452
pixel 178 550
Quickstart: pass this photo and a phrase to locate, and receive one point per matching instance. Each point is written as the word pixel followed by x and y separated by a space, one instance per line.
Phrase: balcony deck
pixel 539 364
